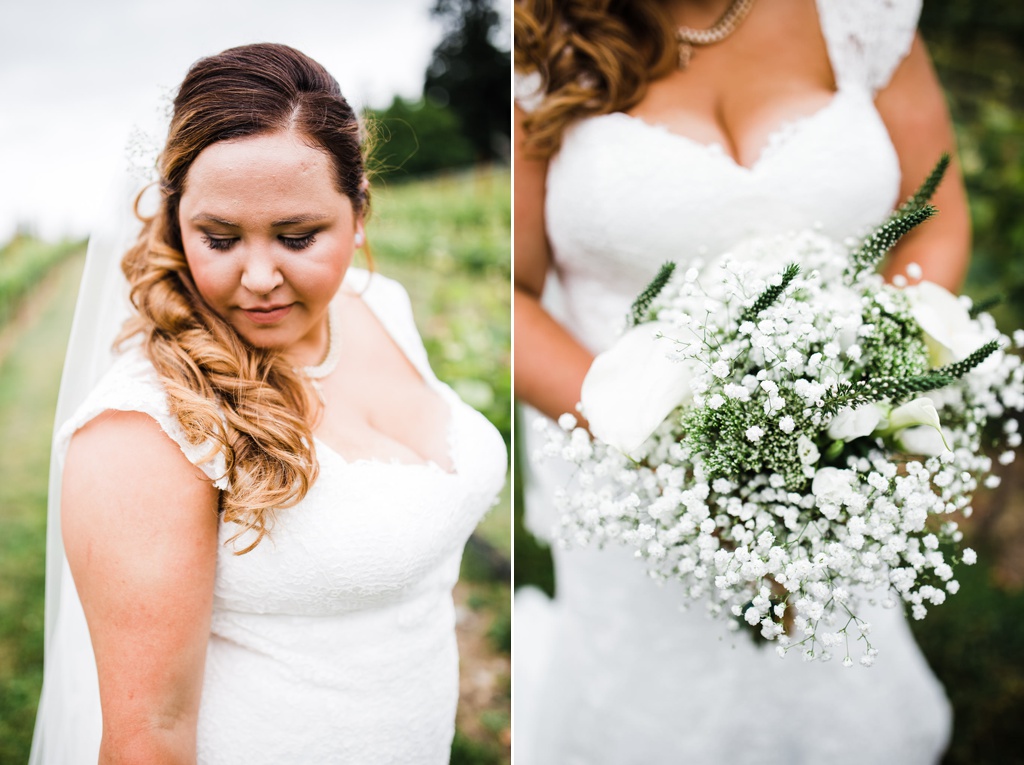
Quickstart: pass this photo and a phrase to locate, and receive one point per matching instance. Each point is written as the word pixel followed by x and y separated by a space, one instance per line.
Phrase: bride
pixel 670 130
pixel 258 508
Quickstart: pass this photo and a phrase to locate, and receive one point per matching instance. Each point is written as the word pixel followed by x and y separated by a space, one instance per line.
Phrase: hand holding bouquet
pixel 780 429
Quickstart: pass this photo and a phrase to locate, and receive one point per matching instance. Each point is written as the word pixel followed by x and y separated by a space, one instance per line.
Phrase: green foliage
pixel 415 138
pixel 719 435
pixel 894 389
pixel 470 73
pixel 533 564
pixel 986 305
pixel 29 378
pixel 877 244
pixel 638 312
pixel 974 644
pixel 24 261
pixel 960 368
pixel 927 189
pixel 447 241
pixel 977 52
pixel 466 751
pixel 771 293
pixel 896 345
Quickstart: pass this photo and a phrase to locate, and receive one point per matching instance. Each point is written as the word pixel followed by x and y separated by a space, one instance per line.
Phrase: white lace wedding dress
pixel 334 640
pixel 612 671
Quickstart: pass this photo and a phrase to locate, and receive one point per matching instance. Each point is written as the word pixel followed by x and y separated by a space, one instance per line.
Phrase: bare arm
pixel 550 364
pixel 914 110
pixel 140 529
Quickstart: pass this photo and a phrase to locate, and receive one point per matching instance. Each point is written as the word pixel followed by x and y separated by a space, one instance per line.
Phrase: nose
pixel 260 272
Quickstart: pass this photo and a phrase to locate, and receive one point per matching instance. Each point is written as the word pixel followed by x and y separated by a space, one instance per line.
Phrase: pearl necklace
pixel 687 37
pixel 319 371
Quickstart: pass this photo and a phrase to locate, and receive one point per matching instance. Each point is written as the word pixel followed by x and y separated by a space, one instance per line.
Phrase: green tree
pixel 416 138
pixel 470 72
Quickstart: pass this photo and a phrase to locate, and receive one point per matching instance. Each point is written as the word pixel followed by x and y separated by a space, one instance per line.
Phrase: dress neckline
pixel 781 136
pixel 778 136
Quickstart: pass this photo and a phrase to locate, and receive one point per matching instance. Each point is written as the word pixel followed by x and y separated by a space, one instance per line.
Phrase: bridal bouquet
pixel 788 435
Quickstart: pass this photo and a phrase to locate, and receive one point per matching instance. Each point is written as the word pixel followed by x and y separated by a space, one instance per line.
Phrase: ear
pixel 360 234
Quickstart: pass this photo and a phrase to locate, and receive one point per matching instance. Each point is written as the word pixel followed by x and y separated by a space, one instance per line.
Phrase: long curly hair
pixel 247 401
pixel 593 57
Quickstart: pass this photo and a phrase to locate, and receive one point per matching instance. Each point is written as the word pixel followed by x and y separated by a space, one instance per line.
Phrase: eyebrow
pixel 294 220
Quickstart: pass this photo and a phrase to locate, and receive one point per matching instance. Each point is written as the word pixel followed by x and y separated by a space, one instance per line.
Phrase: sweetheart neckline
pixel 778 138
pixel 451 441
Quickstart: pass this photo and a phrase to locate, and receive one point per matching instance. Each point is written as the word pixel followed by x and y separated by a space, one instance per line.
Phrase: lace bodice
pixel 661 195
pixel 333 640
pixel 612 671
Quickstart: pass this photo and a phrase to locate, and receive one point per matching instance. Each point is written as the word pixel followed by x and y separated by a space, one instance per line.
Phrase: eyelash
pixel 298 242
pixel 295 243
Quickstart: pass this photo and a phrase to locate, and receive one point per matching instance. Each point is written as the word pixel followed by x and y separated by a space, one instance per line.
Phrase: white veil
pixel 68 724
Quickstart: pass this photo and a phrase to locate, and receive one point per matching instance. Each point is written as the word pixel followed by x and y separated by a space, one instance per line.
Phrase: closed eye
pixel 219 242
pixel 298 242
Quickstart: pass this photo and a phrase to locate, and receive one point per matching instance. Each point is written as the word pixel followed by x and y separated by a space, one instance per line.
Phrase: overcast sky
pixel 76 76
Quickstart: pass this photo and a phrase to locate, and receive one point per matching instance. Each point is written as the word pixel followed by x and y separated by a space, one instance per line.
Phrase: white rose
pixel 832 484
pixel 949 332
pixel 633 386
pixel 850 423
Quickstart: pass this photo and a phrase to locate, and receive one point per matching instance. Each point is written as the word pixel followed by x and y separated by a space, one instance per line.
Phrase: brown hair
pixel 593 57
pixel 249 401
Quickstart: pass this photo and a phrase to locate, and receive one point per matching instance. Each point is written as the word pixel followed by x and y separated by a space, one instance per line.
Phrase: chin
pixel 271 338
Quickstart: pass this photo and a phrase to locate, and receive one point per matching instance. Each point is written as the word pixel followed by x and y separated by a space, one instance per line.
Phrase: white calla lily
pixel 949 331
pixel 919 412
pixel 850 423
pixel 633 386
pixel 923 440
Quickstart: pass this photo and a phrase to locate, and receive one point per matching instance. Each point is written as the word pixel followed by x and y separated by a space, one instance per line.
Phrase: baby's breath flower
pixel 780 459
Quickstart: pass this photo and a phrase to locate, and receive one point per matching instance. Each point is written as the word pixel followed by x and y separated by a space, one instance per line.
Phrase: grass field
pixel 456 270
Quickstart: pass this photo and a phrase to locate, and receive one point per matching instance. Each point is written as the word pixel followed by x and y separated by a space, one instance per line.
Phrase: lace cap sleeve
pixel 132 385
pixel 867 39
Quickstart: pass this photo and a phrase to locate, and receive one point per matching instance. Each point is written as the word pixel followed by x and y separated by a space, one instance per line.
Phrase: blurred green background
pixel 974 642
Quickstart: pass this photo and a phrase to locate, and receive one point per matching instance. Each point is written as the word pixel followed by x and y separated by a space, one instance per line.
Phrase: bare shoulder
pixel 122 466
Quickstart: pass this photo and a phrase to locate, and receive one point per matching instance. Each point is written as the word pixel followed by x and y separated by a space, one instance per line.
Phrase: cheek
pixel 213 277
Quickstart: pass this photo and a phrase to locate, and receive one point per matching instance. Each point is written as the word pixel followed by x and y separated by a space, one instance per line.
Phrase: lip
pixel 269 314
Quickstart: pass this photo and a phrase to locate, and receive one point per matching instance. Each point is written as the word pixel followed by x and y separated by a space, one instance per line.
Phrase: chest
pixel 773 69
pixel 369 532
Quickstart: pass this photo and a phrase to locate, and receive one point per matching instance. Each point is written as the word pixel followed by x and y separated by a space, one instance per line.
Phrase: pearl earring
pixel 359 239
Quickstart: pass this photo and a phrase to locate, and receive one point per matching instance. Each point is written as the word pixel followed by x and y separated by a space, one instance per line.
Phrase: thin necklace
pixel 688 37
pixel 319 371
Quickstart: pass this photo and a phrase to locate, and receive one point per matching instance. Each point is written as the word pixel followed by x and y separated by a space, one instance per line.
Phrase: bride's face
pixel 268 238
